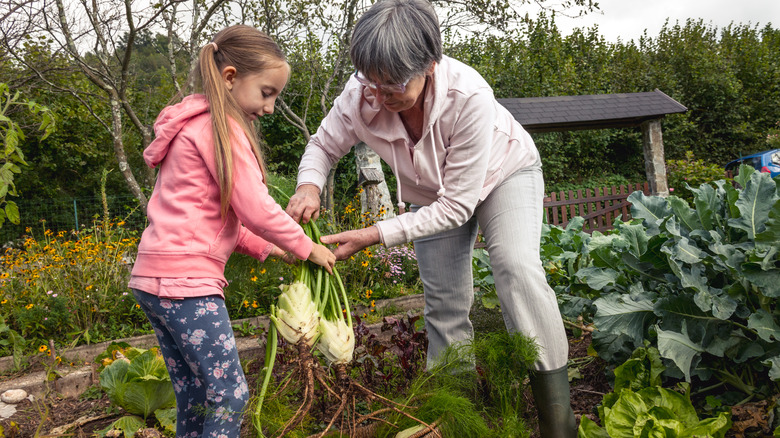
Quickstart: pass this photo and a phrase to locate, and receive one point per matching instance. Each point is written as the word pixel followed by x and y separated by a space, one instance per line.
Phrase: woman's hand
pixel 350 242
pixel 322 256
pixel 304 205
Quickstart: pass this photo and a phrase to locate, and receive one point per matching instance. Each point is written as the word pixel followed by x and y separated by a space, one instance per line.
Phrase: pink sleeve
pixel 257 210
pixel 253 245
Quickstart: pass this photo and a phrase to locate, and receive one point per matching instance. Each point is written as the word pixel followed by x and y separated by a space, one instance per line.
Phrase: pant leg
pixel 511 221
pixel 444 260
pixel 204 365
pixel 182 377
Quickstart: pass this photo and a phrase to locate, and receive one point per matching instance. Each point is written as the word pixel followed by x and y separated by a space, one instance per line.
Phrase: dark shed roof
pixel 594 111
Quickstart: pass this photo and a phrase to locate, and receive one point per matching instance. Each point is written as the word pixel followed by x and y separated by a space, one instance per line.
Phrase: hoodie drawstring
pixel 442 190
pixel 401 205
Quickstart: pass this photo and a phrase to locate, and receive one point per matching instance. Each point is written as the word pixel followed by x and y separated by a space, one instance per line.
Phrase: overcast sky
pixel 627 19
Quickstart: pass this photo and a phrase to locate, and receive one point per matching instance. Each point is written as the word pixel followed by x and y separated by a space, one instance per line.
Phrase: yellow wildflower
pixel 43 348
pixel 29 306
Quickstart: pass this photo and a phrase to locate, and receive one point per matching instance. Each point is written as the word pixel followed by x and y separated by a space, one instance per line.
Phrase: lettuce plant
pixel 640 407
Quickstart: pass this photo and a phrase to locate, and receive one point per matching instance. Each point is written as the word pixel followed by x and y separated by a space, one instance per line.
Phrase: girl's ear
pixel 229 75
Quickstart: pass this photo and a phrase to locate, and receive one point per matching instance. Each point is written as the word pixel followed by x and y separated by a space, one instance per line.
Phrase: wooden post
pixel 655 165
pixel 376 195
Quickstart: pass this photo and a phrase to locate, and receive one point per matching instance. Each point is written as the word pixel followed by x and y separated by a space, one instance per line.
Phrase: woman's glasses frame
pixel 384 88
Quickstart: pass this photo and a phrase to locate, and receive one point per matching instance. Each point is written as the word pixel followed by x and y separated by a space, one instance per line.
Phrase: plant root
pixel 350 391
pixel 307 369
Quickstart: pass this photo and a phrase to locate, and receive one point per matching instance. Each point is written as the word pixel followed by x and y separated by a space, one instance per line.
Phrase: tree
pixel 12 156
pixel 99 39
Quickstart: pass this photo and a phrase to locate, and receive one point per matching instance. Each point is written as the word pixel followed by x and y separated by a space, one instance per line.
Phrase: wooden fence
pixel 599 208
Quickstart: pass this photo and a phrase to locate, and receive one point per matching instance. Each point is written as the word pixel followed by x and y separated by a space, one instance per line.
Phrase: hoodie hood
pixel 169 123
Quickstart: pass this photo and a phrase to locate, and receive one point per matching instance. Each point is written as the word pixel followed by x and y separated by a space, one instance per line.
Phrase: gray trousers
pixel 511 220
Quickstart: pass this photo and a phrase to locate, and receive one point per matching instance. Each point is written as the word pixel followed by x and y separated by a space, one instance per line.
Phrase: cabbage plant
pixel 138 382
pixel 700 282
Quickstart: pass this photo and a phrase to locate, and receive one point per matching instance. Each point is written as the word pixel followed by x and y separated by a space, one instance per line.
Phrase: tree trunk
pixel 375 198
pixel 121 156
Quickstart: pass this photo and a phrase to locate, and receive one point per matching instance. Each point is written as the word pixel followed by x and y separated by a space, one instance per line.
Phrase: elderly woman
pixel 463 163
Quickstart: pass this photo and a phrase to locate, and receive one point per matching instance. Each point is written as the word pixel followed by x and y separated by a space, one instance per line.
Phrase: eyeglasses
pixel 384 88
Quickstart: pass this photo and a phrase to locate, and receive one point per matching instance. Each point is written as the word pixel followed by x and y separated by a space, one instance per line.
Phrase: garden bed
pixel 58 411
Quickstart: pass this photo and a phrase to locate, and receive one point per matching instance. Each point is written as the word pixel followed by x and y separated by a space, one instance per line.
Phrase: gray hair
pixel 396 40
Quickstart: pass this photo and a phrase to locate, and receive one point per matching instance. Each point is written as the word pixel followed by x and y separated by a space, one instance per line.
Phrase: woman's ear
pixel 431 69
pixel 229 75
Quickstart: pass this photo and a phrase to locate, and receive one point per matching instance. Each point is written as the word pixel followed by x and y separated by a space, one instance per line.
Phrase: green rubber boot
pixel 553 405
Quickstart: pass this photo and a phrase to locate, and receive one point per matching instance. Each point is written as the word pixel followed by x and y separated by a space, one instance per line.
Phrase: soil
pixel 91 415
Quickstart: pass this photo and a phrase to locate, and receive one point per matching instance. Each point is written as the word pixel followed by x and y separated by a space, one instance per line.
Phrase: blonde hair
pixel 249 51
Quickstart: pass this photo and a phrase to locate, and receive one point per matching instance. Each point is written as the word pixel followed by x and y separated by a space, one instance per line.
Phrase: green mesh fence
pixel 69 214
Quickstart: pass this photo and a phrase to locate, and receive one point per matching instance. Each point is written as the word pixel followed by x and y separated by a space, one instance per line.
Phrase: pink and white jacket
pixel 470 143
pixel 186 237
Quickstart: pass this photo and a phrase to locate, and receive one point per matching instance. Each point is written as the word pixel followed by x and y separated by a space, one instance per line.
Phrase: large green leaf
pixel 764 323
pixel 113 377
pixel 707 204
pixel 598 278
pixel 771 234
pixel 127 425
pixel 715 427
pixel 679 348
pixel 620 314
pixel 144 397
pixel 589 429
pixel 754 204
pixel 774 370
pixel 149 364
pixel 685 215
pixel 684 250
pixel 651 209
pixel 635 239
pixel 621 417
pixel 692 277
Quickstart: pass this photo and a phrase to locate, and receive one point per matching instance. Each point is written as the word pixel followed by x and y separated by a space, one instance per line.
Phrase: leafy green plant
pixel 699 284
pixel 481 401
pixel 484 283
pixel 137 381
pixel 13 341
pixel 640 407
pixel 11 155
pixel 773 137
pixel 690 172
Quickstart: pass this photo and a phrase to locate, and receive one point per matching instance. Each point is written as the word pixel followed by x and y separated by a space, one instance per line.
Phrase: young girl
pixel 210 199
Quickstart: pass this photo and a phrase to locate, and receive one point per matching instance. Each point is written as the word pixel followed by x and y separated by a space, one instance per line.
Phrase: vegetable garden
pixel 680 304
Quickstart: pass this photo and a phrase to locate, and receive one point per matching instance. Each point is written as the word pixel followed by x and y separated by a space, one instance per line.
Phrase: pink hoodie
pixel 470 143
pixel 186 236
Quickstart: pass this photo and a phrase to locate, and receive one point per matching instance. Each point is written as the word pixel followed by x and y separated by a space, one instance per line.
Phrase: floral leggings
pixel 197 342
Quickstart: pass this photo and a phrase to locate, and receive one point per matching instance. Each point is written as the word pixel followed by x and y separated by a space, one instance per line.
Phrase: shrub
pixel 688 172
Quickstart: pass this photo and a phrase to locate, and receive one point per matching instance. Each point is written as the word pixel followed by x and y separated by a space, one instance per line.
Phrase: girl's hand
pixel 322 256
pixel 283 255
pixel 304 205
pixel 350 242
